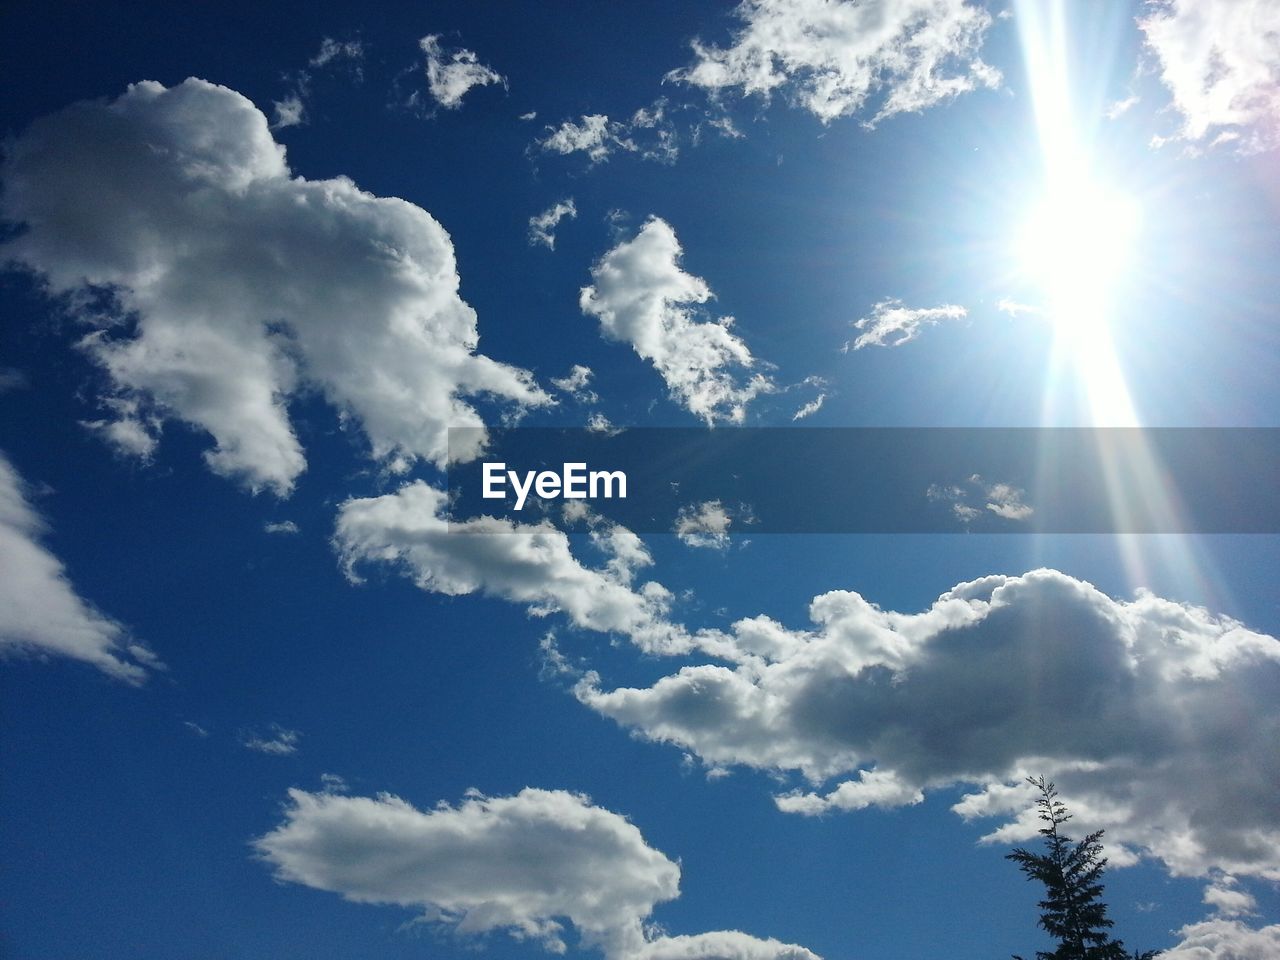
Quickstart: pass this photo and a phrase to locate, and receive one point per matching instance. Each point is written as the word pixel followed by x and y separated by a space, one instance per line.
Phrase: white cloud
pixel 40 612
pixel 704 525
pixel 451 73
pixel 332 51
pixel 1157 719
pixel 1015 309
pixel 576 383
pixel 599 423
pixel 524 563
pixel 1120 107
pixel 281 526
pixel 278 741
pixel 290 110
pixel 891 324
pixel 542 228
pixel 831 58
pixel 1225 940
pixel 523 864
pixel 648 133
pixel 810 408
pixel 239 284
pixel 642 297
pixel 1221 61
pixel 1228 900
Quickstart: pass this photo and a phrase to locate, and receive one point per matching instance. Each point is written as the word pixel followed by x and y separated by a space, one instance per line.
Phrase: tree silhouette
pixel 1072 911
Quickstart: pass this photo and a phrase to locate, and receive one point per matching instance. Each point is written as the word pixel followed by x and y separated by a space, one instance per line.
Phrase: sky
pixel 267 271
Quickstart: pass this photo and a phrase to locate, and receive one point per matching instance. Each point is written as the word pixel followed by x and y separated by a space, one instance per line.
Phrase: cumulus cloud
pixel 523 864
pixel 451 73
pixel 1156 718
pixel 277 741
pixel 40 612
pixel 649 133
pixel 542 228
pixel 531 564
pixel 891 324
pixel 831 58
pixel 1227 899
pixel 704 525
pixel 641 296
pixel 1220 60
pixel 1225 940
pixel 237 285
pixel 281 526
pixel 599 423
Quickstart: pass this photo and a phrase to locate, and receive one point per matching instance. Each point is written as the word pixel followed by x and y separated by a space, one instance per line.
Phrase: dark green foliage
pixel 1072 911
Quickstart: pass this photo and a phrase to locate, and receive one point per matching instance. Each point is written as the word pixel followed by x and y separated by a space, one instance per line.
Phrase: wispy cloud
pixel 277 741
pixel 542 228
pixel 452 73
pixel 891 324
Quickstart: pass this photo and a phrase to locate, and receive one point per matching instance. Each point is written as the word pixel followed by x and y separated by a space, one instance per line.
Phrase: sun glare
pixel 1075 244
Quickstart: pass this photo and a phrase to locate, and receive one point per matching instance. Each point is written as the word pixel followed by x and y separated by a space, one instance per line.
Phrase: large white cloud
pixel 641 296
pixel 833 56
pixel 531 564
pixel 238 285
pixel 1157 719
pixel 523 864
pixel 40 611
pixel 1225 940
pixel 1221 61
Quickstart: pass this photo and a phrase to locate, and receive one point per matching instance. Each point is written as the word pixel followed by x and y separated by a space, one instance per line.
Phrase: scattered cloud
pixel 452 73
pixel 641 296
pixel 891 324
pixel 576 383
pixel 1221 62
pixel 40 612
pixel 291 109
pixel 810 408
pixel 277 741
pixel 523 864
pixel 542 228
pixel 1120 107
pixel 599 423
pixel 195 728
pixel 832 58
pixel 968 501
pixel 704 525
pixel 1000 678
pixel 280 526
pixel 1015 309
pixel 649 133
pixel 180 202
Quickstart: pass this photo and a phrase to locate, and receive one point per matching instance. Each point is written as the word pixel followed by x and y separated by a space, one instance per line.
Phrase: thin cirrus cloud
pixel 522 864
pixel 40 612
pixel 1156 717
pixel 641 296
pixel 237 285
pixel 891 323
pixel 832 58
pixel 452 73
pixel 1221 62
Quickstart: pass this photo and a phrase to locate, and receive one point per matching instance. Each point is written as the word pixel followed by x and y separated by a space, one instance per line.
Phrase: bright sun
pixel 1075 245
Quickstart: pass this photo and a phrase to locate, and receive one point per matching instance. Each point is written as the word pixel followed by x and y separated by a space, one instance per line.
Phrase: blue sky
pixel 258 700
